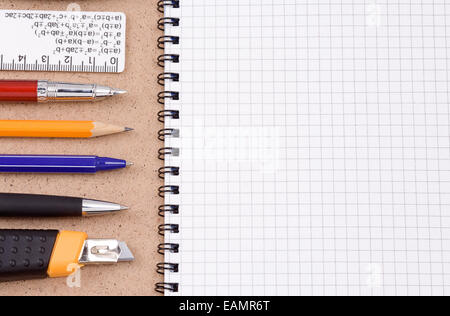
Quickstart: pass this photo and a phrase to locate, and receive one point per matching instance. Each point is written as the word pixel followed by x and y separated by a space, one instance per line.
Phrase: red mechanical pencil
pixel 46 91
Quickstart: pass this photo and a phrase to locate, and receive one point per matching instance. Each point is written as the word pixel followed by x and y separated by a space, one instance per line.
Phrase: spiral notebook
pixel 306 147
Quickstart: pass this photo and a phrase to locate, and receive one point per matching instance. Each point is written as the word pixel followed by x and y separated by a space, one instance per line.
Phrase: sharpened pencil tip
pixel 128 129
pixel 119 91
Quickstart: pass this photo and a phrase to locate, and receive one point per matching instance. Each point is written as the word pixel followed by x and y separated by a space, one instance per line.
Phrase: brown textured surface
pixel 135 187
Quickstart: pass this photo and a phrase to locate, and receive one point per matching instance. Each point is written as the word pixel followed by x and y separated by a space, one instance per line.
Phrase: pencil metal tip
pixel 119 92
pixel 124 208
pixel 129 164
pixel 128 129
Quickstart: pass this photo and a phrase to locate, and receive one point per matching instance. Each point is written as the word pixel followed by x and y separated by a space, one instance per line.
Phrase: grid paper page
pixel 314 147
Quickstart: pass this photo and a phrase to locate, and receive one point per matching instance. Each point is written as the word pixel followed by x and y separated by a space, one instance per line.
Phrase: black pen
pixel 30 205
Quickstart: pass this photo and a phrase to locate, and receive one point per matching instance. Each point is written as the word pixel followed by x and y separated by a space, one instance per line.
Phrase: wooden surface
pixel 135 187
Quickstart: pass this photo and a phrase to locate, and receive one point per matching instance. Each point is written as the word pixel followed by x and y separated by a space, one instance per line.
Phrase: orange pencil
pixel 59 129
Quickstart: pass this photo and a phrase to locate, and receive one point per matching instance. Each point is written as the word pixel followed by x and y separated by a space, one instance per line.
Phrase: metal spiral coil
pixel 167 39
pixel 167 3
pixel 168 132
pixel 162 77
pixel 163 95
pixel 168 151
pixel 168 21
pixel 175 115
pixel 164 116
pixel 173 248
pixel 171 228
pixel 162 267
pixel 173 171
pixel 168 208
pixel 168 189
pixel 162 287
pixel 173 58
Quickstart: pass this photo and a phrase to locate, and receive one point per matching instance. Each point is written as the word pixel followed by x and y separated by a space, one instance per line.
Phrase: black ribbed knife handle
pixel 29 205
pixel 25 254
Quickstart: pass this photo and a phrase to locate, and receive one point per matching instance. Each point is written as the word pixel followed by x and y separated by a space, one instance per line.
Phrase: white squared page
pixel 314 147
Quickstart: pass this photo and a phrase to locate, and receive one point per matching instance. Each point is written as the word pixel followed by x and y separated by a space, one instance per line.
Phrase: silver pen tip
pixel 129 164
pixel 124 208
pixel 119 91
pixel 94 207
pixel 125 253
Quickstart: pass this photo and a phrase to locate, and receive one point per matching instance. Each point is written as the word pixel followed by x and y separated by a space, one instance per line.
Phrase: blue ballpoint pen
pixel 58 164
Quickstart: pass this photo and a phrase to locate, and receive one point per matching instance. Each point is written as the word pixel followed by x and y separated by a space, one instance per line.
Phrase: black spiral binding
pixel 173 171
pixel 167 3
pixel 172 228
pixel 164 267
pixel 167 132
pixel 168 76
pixel 171 209
pixel 168 151
pixel 173 58
pixel 167 21
pixel 168 113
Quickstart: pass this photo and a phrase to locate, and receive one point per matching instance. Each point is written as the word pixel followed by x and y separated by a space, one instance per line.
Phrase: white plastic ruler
pixel 62 41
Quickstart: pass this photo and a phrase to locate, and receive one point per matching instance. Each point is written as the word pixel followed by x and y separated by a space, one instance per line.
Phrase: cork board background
pixel 135 187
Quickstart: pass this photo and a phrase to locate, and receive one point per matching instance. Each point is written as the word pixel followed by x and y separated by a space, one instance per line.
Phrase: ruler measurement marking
pixel 14 65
